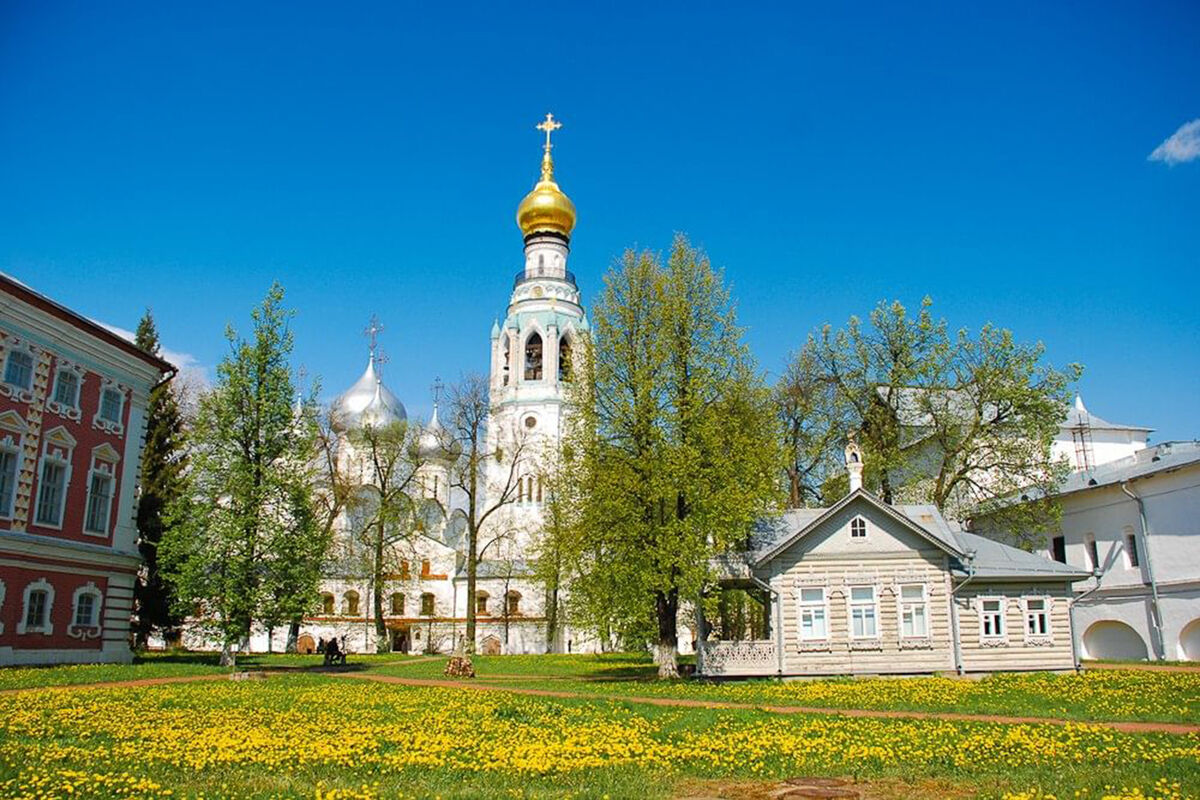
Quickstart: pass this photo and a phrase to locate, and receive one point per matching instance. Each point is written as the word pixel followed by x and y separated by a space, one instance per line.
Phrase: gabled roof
pixel 988 558
pixel 938 535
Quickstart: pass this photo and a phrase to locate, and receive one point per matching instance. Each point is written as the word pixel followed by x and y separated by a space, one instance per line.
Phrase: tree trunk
pixel 472 572
pixel 228 659
pixel 666 651
pixel 293 636
pixel 381 642
pixel 552 621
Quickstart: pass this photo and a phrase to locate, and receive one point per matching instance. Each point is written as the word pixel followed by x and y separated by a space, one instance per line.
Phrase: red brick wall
pixel 17 578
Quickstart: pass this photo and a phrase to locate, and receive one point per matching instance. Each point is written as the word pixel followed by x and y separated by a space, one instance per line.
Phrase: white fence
pixel 738 658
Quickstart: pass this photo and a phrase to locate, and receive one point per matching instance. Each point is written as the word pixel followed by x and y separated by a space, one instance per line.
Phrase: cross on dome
pixel 372 331
pixel 549 125
pixel 436 388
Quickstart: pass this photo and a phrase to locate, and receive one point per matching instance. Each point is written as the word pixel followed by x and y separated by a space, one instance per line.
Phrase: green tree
pixel 242 545
pixel 163 463
pixel 678 441
pixel 383 513
pixel 486 473
pixel 964 421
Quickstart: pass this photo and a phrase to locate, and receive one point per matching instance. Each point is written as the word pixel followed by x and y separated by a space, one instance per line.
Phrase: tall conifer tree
pixel 163 461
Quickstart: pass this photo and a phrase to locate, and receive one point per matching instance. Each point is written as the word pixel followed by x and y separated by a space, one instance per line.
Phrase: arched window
pixel 398 604
pixel 507 357
pixel 350 603
pixel 539 488
pixel 564 359
pixel 327 604
pixel 858 528
pixel 85 607
pixel 35 616
pixel 427 605
pixel 512 603
pixel 533 357
pixel 481 599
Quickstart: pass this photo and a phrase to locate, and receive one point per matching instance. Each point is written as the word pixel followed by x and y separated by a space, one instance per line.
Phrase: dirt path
pixel 1127 727
pixel 1090 665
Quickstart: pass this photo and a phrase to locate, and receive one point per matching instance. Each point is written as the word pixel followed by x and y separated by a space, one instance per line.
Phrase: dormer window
pixel 858 528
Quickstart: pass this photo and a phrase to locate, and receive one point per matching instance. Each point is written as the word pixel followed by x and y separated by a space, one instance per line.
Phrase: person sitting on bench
pixel 334 653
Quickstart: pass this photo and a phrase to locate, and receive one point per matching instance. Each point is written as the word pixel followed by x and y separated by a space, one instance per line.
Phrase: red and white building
pixel 73 399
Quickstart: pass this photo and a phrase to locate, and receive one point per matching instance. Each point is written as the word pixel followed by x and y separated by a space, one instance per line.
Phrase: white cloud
pixel 1182 146
pixel 192 374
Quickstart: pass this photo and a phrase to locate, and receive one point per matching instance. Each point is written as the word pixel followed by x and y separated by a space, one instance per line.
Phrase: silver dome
pixel 369 402
pixel 436 443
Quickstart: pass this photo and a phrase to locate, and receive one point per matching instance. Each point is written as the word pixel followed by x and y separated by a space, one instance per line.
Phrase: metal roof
pixel 1159 458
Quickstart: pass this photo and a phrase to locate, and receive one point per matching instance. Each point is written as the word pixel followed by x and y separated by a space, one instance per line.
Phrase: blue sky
pixel 371 157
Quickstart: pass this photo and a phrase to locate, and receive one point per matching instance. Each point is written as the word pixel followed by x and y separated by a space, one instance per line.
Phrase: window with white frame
pixel 3 591
pixel 8 480
pixel 99 504
pixel 864 614
pixel 814 614
pixel 1037 617
pixel 858 528
pixel 66 388
pixel 991 618
pixel 52 492
pixel 87 608
pixel 18 369
pixel 110 406
pixel 35 615
pixel 914 611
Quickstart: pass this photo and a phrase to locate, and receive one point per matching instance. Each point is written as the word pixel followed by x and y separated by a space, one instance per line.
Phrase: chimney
pixel 854 464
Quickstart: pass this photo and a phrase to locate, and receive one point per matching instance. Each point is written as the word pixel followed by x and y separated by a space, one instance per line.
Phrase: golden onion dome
pixel 547 208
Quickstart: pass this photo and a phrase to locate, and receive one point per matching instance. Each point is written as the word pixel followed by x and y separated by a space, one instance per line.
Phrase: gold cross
pixel 549 125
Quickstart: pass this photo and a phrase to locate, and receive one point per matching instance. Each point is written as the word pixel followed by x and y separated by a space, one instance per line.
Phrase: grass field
pixel 308 735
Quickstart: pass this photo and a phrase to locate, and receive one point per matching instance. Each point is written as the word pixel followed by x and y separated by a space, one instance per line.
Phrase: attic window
pixel 858 528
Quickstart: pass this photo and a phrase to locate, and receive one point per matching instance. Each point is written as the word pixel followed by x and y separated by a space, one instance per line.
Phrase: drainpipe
pixel 1160 645
pixel 1097 573
pixel 954 628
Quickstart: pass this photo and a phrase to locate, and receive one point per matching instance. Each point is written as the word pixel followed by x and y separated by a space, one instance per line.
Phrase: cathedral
pixel 425 598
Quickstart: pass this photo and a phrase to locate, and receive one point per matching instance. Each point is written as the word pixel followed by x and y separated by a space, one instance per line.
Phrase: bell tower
pixel 533 348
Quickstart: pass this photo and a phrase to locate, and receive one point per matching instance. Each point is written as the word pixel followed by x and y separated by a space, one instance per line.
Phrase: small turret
pixel 854 464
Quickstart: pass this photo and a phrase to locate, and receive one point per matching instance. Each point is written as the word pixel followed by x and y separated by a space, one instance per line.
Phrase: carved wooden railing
pixel 755 657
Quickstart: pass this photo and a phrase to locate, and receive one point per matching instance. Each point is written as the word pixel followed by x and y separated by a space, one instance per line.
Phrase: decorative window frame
pixel 392 603
pixel 866 640
pixel 432 604
pixel 71 412
pixel 21 394
pixel 104 462
pixel 85 632
pixel 1038 639
pixel 866 528
pixel 100 423
pixel 41 584
pixel 803 605
pixel 481 601
pixel 3 592
pixel 57 447
pixel 348 609
pixel 993 640
pixel 12 434
pixel 915 640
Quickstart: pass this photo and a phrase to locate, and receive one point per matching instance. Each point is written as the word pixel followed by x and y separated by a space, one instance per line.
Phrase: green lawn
pixel 291 734
pixel 1099 695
